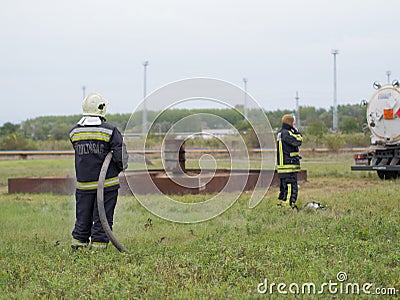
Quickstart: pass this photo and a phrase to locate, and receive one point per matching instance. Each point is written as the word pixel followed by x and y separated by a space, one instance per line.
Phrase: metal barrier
pixel 26 153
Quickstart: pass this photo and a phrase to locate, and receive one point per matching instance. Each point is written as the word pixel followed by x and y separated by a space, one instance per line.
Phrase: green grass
pixel 225 258
pixel 35 167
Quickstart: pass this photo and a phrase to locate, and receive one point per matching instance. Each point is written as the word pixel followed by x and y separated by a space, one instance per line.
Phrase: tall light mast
pixel 144 116
pixel 335 113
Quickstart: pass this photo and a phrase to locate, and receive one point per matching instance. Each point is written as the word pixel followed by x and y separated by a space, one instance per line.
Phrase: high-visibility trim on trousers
pixel 289 194
pixel 78 243
pixel 92 185
pixel 98 245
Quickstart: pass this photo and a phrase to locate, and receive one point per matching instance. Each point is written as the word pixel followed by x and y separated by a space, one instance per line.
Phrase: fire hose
pixel 100 205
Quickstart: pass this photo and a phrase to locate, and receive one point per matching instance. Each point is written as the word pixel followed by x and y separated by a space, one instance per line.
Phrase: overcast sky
pixel 50 49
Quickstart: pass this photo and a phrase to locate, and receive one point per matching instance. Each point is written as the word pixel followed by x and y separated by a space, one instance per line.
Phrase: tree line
pixel 52 131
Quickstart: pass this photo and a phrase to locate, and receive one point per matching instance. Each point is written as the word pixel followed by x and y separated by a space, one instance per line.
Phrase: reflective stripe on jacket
pixel 91 133
pixel 93 184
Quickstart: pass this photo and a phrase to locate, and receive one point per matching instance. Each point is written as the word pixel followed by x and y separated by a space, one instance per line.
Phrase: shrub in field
pixel 17 141
pixel 311 141
pixel 54 145
pixel 334 141
pixel 357 139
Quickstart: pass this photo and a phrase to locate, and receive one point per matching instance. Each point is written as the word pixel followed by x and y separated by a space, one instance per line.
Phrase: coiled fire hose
pixel 100 205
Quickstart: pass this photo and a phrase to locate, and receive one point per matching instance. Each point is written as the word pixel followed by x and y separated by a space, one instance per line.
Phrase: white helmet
pixel 94 105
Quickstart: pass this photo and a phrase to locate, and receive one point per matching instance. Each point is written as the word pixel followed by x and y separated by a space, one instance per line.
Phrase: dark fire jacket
pixel 288 142
pixel 92 144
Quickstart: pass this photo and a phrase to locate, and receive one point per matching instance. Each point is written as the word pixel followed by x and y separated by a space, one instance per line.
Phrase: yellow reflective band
pixel 90 136
pixel 289 194
pixel 294 154
pixel 111 182
pixel 280 153
pixel 76 242
pixel 93 184
pixel 296 136
pixel 91 130
pixel 90 133
pixel 288 168
pixel 99 245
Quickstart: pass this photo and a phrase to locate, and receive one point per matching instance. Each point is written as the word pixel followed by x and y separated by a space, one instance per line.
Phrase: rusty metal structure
pixel 162 180
pixel 66 185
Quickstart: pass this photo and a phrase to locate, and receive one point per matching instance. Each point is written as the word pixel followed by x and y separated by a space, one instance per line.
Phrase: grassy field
pixel 234 256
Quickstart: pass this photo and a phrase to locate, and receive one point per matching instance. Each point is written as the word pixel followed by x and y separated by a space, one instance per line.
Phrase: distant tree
pixel 8 128
pixel 307 114
pixel 119 120
pixel 349 125
pixel 242 125
pixel 251 139
pixel 49 127
pixel 275 117
pixel 351 117
pixel 326 118
pixel 316 128
pixel 160 127
pixel 59 132
pixel 57 127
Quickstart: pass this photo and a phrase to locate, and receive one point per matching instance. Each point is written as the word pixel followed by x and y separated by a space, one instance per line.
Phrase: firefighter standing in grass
pixel 288 161
pixel 92 138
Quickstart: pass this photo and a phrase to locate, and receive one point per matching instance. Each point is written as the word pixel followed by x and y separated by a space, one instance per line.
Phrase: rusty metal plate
pixel 66 185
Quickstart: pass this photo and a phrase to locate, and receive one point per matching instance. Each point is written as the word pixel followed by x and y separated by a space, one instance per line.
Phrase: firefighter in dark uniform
pixel 288 161
pixel 93 138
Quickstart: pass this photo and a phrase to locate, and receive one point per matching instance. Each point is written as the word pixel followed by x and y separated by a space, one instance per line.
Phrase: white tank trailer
pixel 383 120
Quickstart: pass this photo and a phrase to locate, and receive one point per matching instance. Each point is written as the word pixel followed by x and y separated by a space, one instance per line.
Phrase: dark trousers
pixel 87 224
pixel 288 187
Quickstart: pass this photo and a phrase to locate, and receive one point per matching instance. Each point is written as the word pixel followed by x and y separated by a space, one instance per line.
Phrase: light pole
pixel 84 91
pixel 335 116
pixel 297 110
pixel 388 73
pixel 144 116
pixel 245 97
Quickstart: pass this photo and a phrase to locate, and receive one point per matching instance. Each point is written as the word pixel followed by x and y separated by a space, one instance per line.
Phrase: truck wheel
pixel 387 175
pixel 381 174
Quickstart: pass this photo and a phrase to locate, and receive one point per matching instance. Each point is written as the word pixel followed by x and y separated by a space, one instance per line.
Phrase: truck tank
pixel 383 120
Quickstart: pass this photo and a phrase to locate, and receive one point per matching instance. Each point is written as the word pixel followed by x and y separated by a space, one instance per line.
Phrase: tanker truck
pixel 383 121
